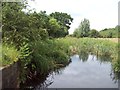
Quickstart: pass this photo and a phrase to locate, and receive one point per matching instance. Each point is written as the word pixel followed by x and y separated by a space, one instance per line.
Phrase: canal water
pixel 82 72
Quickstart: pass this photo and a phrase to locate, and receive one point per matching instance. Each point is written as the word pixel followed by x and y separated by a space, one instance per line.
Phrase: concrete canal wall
pixel 9 76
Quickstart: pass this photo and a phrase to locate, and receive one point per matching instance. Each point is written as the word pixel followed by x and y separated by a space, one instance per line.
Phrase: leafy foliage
pixel 28 33
pixel 109 33
pixel 94 33
pixel 83 29
pixel 64 21
pixel 54 28
pixel 9 55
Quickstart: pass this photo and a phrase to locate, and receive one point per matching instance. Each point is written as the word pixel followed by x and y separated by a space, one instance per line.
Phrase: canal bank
pixel 9 76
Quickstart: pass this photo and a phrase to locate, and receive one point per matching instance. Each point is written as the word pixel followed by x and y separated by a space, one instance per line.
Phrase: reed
pixel 99 47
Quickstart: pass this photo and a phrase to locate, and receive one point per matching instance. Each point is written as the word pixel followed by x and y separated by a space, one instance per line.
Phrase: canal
pixel 83 72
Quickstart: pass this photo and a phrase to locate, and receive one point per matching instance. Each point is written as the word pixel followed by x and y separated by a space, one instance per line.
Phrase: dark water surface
pixel 90 72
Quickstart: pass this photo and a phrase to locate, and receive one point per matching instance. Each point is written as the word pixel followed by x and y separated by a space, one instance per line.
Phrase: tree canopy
pixel 83 29
pixel 64 21
pixel 19 26
pixel 94 33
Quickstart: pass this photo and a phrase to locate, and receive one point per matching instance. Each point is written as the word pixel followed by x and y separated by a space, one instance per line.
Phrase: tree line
pixel 84 30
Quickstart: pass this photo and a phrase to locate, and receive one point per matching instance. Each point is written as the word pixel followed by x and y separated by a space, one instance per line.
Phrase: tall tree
pixel 64 20
pixel 83 29
pixel 14 21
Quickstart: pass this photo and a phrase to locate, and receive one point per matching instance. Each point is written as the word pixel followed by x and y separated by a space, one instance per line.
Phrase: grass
pixel 47 55
pixel 90 44
pixel 9 55
pixel 99 47
pixel 116 61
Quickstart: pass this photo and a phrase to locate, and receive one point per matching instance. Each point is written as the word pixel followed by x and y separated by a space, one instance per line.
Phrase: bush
pixel 46 55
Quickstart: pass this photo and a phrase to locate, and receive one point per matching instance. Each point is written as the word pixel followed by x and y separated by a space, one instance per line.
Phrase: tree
pixel 109 35
pixel 53 27
pixel 20 26
pixel 83 29
pixel 93 33
pixel 76 33
pixel 64 21
pixel 14 22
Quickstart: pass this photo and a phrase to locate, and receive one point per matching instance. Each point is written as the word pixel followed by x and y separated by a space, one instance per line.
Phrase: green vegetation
pixel 38 40
pixel 84 31
pixel 109 33
pixel 102 48
pixel 9 55
pixel 29 38
pixel 64 20
pixel 94 33
pixel 47 54
pixel 116 63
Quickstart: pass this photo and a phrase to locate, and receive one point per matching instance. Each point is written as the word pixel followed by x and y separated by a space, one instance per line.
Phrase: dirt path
pixel 111 39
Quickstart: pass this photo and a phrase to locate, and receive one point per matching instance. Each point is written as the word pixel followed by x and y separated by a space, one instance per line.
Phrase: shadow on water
pixel 84 69
pixel 104 58
pixel 84 56
pixel 43 81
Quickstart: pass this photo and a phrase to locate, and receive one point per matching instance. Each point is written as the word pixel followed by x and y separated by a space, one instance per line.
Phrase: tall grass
pixel 47 55
pixel 103 48
pixel 116 61
pixel 9 54
pixel 100 47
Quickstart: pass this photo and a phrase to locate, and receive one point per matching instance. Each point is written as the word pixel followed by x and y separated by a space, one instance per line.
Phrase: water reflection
pixel 104 58
pixel 114 76
pixel 43 81
pixel 85 71
pixel 83 56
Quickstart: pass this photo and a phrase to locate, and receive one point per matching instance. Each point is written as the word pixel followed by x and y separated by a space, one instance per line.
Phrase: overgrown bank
pixel 43 56
pixel 37 58
pixel 99 47
pixel 29 37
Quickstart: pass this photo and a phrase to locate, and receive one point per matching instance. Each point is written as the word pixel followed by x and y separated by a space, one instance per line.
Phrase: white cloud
pixel 101 13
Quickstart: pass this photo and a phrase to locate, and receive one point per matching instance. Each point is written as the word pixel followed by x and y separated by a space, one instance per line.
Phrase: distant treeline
pixel 84 30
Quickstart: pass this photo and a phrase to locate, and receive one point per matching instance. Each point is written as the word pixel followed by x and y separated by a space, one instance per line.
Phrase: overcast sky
pixel 101 13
